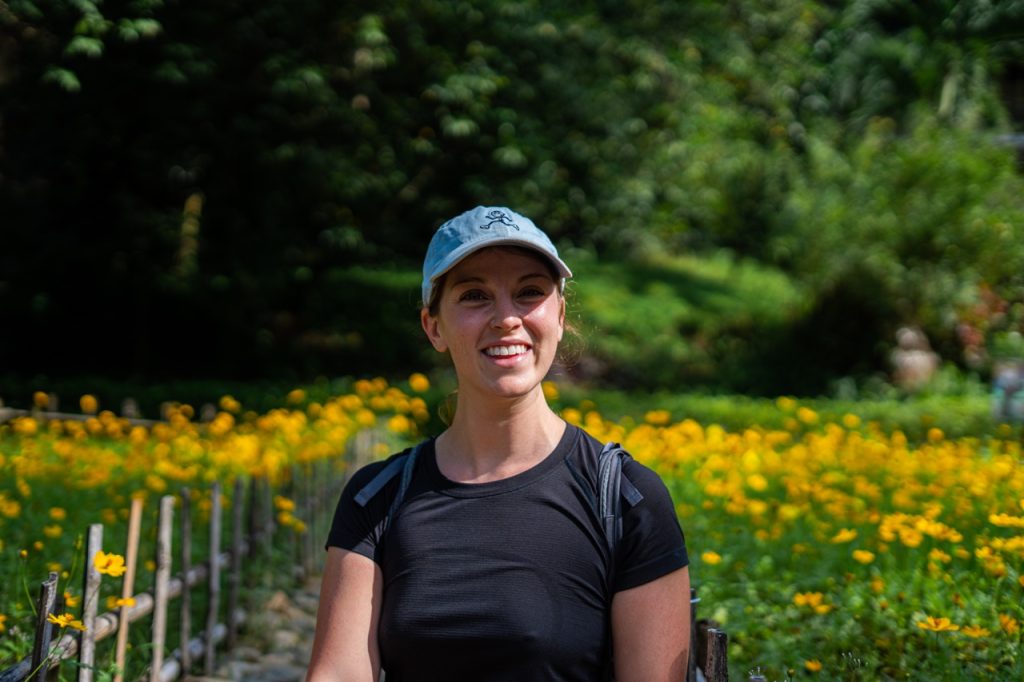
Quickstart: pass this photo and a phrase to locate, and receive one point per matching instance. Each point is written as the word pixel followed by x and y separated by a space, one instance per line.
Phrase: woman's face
pixel 500 315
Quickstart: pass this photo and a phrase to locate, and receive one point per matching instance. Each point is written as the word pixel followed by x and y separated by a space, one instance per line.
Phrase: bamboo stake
pixel 128 585
pixel 214 589
pixel 90 604
pixel 186 566
pixel 163 578
pixel 235 574
pixel 44 628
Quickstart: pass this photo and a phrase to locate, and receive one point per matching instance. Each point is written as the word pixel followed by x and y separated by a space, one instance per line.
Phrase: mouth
pixel 506 350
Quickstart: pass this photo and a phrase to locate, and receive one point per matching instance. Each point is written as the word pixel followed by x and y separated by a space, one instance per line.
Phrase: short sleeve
pixel 652 542
pixel 358 528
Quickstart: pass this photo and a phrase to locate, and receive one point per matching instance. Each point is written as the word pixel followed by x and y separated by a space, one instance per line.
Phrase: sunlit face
pixel 500 315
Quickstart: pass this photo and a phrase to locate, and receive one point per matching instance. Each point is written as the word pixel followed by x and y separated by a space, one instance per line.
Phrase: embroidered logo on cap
pixel 498 217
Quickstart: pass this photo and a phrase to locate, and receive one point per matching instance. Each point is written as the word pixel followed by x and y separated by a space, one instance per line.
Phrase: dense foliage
pixel 209 188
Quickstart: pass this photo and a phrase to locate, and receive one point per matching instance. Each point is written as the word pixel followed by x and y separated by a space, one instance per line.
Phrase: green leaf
pixel 62 77
pixel 84 46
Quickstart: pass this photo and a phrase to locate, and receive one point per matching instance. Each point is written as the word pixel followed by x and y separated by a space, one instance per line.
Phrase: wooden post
pixel 90 604
pixel 128 585
pixel 718 665
pixel 44 628
pixel 186 591
pixel 235 575
pixel 163 578
pixel 214 588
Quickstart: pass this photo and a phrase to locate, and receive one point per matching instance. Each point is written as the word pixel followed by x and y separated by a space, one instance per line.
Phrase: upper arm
pixel 345 646
pixel 651 629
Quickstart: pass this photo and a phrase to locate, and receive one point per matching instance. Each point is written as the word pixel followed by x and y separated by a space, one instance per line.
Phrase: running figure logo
pixel 498 217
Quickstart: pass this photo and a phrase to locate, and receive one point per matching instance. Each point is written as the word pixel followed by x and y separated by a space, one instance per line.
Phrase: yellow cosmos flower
pixel 40 399
pixel 58 513
pixel 550 390
pixel 711 558
pixel 863 556
pixel 1021 580
pixel 1006 520
pixel 89 404
pixel 975 631
pixel 1008 623
pixel 933 624
pixel 65 620
pixel 419 382
pixel 813 665
pixel 53 531
pixel 296 396
pixel 110 564
pixel 71 600
pixel 118 602
pixel 844 535
pixel 3 622
pixel 282 503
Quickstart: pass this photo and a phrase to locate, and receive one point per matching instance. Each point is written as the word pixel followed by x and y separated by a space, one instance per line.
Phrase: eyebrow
pixel 470 279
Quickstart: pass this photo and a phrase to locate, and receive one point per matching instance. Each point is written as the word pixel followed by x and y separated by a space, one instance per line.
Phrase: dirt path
pixel 276 642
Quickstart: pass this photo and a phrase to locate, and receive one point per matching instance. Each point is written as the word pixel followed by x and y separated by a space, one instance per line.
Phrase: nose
pixel 506 315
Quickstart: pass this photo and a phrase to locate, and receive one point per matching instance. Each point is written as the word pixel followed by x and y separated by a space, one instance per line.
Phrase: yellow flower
pixel 3 622
pixel 283 503
pixel 53 531
pixel 550 390
pixel 40 399
pixel 807 415
pixel 851 421
pixel 975 631
pixel 419 382
pixel 1021 580
pixel 58 513
pixel 117 602
pixel 933 624
pixel 844 535
pixel 813 600
pixel 65 620
pixel 110 564
pixel 711 558
pixel 863 556
pixel 295 396
pixel 813 665
pixel 877 585
pixel 1008 623
pixel 89 404
pixel 71 600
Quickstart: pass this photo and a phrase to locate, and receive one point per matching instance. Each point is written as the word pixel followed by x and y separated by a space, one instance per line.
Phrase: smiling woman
pixel 488 559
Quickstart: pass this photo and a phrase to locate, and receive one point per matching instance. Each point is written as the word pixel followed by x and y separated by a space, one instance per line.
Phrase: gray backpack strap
pixel 612 487
pixel 402 464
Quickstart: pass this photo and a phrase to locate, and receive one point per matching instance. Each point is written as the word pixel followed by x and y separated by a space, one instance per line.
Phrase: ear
pixel 432 328
pixel 561 317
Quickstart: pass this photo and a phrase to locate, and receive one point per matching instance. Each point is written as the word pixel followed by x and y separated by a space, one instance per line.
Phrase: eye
pixel 532 292
pixel 472 295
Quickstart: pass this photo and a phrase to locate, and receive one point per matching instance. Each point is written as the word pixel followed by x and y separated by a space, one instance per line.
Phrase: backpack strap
pixel 404 465
pixel 612 487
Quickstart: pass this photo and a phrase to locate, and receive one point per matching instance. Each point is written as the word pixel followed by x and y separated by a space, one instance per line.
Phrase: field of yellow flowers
pixel 825 549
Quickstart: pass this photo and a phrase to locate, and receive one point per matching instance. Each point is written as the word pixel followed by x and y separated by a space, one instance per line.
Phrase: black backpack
pixel 612 487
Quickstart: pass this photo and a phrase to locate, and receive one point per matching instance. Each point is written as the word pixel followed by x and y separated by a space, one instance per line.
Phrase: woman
pixel 494 565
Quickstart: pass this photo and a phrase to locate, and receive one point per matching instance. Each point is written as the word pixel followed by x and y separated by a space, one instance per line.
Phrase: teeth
pixel 499 351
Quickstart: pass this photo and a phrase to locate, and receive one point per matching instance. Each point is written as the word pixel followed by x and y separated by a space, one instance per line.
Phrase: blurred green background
pixel 756 195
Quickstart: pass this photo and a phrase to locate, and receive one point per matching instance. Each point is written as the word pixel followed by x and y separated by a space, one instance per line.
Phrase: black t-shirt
pixel 510 579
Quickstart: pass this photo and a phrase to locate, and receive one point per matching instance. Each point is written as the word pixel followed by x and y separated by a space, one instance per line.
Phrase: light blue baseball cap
pixel 477 229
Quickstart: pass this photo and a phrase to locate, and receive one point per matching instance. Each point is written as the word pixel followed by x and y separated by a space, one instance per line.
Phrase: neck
pixel 491 440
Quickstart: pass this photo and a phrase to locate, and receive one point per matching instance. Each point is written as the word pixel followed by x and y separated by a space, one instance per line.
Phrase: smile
pixel 503 351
